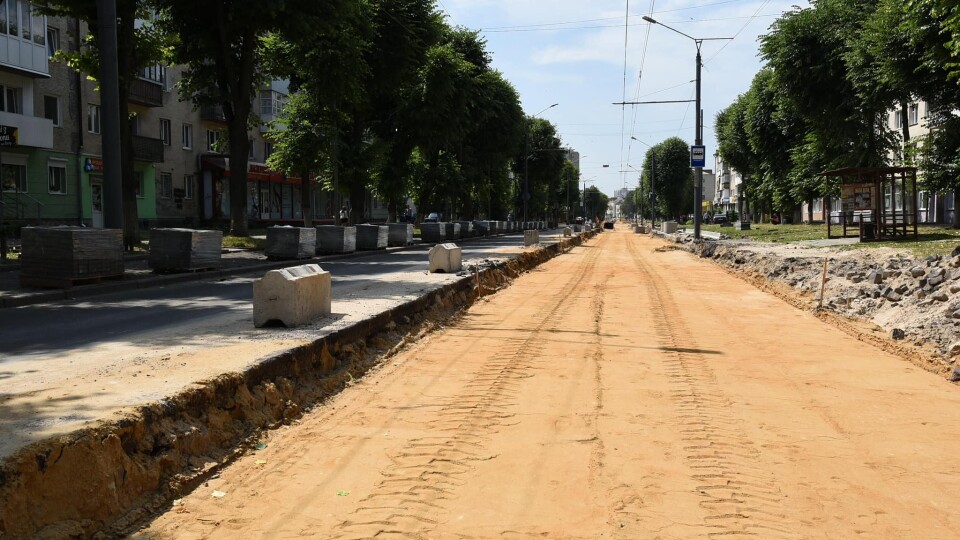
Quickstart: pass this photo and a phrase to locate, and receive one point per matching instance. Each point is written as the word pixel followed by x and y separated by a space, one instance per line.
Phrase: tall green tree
pixel 673 187
pixel 223 47
pixel 595 203
pixel 539 163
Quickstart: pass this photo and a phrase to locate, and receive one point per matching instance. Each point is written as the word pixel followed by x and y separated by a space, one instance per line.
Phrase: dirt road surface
pixel 623 390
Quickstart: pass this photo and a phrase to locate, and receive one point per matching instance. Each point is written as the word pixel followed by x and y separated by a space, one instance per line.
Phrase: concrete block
pixel 294 296
pixel 466 229
pixel 446 258
pixel 453 231
pixel 531 237
pixel 173 250
pixel 291 242
pixel 401 234
pixel 668 227
pixel 336 239
pixel 481 228
pixel 567 231
pixel 433 233
pixel 371 237
pixel 494 227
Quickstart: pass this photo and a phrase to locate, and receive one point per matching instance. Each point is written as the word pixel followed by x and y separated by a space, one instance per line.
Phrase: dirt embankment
pixel 915 303
pixel 97 482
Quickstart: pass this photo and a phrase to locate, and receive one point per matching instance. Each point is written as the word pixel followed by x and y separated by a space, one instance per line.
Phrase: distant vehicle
pixel 608 225
pixel 720 218
pixel 432 217
pixel 579 220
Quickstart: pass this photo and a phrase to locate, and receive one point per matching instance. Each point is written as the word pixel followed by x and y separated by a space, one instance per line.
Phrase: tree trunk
pixel 126 67
pixel 239 151
pixel 810 210
pixel 306 199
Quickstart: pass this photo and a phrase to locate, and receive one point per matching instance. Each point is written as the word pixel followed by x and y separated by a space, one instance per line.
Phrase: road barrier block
pixel 446 258
pixel 372 237
pixel 669 227
pixel 293 296
pixel 453 231
pixel 466 229
pixel 567 231
pixel 531 237
pixel 336 239
pixel 401 234
pixel 291 242
pixel 180 250
pixel 433 233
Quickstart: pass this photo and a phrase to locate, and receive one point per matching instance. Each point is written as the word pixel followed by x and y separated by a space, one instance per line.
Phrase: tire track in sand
pixel 739 496
pixel 410 500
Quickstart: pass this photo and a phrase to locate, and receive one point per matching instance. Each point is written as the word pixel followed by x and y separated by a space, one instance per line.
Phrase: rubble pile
pixel 916 300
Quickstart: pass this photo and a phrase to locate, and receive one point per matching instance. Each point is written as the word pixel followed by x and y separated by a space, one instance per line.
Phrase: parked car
pixel 432 217
pixel 720 218
pixel 608 225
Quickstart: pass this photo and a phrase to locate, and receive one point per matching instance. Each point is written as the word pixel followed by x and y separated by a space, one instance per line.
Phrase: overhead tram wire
pixel 636 95
pixel 742 28
pixel 651 13
pixel 538 28
pixel 623 110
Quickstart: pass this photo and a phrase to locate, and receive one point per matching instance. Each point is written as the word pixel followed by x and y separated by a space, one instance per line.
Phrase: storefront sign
pixel 9 136
pixel 93 165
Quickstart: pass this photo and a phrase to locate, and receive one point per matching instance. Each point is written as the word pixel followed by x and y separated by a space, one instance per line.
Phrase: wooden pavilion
pixel 876 203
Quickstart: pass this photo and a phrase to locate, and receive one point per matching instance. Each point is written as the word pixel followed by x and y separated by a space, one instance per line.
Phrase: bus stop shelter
pixel 876 203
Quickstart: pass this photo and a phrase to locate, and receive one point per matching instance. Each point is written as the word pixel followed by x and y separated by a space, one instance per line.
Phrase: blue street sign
pixel 698 156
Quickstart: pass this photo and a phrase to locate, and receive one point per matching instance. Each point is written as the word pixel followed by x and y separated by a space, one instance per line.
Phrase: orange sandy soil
pixel 619 391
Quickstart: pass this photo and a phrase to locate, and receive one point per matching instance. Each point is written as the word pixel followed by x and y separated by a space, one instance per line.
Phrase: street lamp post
pixel 698 182
pixel 526 163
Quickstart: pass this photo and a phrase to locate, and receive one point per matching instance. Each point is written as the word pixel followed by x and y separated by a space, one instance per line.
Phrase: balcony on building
pixel 145 92
pixel 23 42
pixel 147 149
pixel 272 103
pixel 32 131
pixel 212 113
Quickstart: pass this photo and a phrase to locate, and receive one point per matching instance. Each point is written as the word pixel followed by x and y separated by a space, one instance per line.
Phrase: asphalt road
pixel 191 307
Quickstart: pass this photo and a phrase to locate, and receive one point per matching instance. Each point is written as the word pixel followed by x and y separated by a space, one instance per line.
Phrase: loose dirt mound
pixel 915 301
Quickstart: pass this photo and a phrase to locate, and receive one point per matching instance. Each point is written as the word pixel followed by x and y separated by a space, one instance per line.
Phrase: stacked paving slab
pixel 62 256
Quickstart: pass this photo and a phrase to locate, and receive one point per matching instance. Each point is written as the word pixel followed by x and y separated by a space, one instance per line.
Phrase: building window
pixel 140 187
pixel 272 103
pixel 213 138
pixel 186 135
pixel 250 146
pixel 12 99
pixel 93 118
pixel 39 26
pixel 14 177
pixel 57 177
pixel 818 205
pixel 914 113
pixel 51 109
pixel 165 185
pixel 165 131
pixel 188 186
pixel 898 120
pixel 155 73
pixel 267 150
pixel 53 41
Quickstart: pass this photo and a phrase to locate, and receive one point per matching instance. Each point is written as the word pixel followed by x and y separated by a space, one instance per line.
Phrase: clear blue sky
pixel 580 54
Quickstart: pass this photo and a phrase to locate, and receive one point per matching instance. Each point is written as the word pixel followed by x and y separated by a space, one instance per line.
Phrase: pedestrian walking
pixel 344 217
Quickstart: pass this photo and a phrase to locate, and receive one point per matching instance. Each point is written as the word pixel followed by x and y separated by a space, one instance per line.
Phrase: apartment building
pixel 51 163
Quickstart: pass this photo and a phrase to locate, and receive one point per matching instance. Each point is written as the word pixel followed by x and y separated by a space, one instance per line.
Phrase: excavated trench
pixel 101 481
